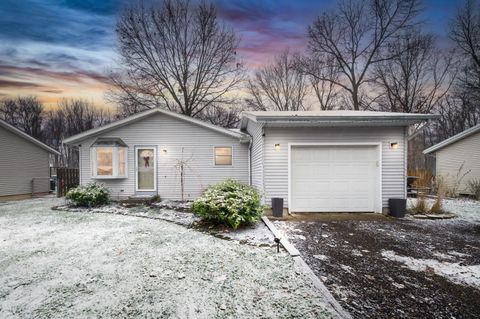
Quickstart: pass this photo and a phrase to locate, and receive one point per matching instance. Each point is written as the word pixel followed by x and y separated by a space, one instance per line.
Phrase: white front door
pixel 146 169
pixel 334 178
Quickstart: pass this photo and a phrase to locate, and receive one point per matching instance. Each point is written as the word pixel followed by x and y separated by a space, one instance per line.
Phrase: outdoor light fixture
pixel 277 241
pixel 394 145
pixel 164 151
pixel 277 147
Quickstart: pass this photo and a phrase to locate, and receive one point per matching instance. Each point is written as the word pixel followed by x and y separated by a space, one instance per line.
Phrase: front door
pixel 146 169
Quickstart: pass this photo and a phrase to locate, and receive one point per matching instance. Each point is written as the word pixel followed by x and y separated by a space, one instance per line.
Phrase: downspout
pixel 250 145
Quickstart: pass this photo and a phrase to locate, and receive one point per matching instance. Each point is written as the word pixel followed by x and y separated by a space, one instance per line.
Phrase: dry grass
pixel 437 207
pixel 421 206
pixel 425 178
pixel 474 187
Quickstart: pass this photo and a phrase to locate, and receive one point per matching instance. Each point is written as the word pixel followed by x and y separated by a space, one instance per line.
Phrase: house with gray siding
pixel 316 161
pixel 457 159
pixel 24 164
pixel 145 154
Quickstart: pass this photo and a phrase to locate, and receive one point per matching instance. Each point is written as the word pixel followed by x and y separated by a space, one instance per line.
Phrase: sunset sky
pixel 63 48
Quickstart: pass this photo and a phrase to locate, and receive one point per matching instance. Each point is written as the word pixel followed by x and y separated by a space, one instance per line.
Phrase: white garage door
pixel 334 178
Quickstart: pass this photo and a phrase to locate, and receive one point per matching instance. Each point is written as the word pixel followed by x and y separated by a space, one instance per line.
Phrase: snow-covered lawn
pixel 56 264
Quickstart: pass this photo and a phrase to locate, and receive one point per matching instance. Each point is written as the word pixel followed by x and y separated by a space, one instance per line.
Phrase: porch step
pixel 138 199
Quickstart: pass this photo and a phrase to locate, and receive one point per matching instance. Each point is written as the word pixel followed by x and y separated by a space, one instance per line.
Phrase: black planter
pixel 398 207
pixel 277 207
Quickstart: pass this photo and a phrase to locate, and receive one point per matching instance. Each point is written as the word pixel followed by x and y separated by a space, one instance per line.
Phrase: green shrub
pixel 229 202
pixel 88 195
pixel 474 187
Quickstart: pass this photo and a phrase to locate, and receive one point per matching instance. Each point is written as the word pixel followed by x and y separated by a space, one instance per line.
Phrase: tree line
pixel 68 118
pixel 360 55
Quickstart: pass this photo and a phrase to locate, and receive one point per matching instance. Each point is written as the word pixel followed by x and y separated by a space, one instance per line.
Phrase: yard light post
pixel 277 241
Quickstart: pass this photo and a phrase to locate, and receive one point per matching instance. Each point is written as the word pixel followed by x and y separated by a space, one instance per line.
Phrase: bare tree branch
pixel 354 36
pixel 278 86
pixel 177 56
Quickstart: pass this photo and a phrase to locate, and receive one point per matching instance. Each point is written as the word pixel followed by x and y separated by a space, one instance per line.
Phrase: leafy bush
pixel 229 202
pixel 88 195
pixel 474 187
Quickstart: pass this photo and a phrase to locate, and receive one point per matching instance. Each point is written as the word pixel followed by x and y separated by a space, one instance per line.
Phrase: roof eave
pixel 137 117
pixel 31 139
pixel 458 137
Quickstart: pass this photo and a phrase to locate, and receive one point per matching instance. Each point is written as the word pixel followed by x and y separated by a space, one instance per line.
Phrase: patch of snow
pixel 466 209
pixel 347 269
pixel 357 253
pixel 455 272
pixel 458 254
pixel 320 257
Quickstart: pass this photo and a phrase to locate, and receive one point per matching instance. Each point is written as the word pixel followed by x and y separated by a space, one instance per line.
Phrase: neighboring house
pixel 24 164
pixel 458 159
pixel 315 161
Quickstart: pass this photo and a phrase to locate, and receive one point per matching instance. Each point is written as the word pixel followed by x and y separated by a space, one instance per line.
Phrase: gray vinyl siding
pixel 256 132
pixel 20 162
pixel 276 162
pixel 450 159
pixel 171 134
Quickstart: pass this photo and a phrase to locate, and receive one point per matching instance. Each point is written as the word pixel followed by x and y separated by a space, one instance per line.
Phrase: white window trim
pixel 115 175
pixel 214 156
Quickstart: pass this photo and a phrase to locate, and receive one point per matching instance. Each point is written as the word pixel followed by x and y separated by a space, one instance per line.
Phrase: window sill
pixel 109 177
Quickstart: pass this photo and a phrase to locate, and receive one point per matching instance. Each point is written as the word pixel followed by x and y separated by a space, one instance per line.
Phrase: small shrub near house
pixel 231 203
pixel 88 195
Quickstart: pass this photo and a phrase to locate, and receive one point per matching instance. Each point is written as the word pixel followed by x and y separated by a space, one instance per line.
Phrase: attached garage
pixel 330 161
pixel 335 177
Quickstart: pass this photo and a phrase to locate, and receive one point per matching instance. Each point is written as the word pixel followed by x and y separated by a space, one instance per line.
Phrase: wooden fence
pixel 66 178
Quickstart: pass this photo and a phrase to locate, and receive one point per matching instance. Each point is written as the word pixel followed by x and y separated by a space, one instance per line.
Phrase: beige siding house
pixel 316 161
pixel 458 159
pixel 24 164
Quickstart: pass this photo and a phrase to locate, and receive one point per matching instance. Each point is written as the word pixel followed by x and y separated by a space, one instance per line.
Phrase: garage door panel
pixel 333 178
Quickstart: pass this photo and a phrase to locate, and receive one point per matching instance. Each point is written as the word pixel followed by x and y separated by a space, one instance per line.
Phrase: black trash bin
pixel 398 207
pixel 277 207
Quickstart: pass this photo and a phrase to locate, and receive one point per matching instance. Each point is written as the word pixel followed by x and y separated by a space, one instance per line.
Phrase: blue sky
pixel 63 48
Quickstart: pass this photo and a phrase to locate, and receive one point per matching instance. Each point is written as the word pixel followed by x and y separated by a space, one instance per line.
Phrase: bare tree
pixel 225 116
pixel 317 70
pixel 458 112
pixel 69 118
pixel 177 55
pixel 417 76
pixel 354 37
pixel 278 86
pixel 25 113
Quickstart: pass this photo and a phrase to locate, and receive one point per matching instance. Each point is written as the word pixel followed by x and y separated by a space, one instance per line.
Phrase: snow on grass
pixel 56 264
pixel 455 272
pixel 466 209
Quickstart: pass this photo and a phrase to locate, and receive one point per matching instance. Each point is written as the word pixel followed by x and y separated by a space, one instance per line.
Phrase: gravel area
pixel 57 264
pixel 396 268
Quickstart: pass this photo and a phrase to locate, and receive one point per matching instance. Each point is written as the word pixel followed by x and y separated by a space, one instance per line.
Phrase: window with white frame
pixel 223 156
pixel 109 158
